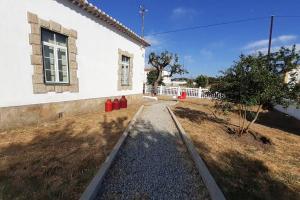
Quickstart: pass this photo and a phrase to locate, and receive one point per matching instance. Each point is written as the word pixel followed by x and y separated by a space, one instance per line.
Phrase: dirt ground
pixel 57 160
pixel 246 167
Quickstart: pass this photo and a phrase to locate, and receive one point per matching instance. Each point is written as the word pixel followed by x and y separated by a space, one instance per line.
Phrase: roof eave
pixel 96 12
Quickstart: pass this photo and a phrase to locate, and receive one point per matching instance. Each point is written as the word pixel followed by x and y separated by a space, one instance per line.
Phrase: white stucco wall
pixel 292 110
pixel 297 75
pixel 166 80
pixel 97 53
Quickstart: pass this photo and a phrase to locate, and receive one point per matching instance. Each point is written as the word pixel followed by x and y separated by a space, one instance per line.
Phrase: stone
pixel 73 77
pixel 38 69
pixel 36 60
pixel 72 57
pixel 73 49
pixel 72 41
pixel 50 88
pixel 73 65
pixel 73 33
pixel 44 23
pixel 59 88
pixel 32 18
pixel 36 49
pixel 74 88
pixel 37 79
pixel 35 28
pixel 34 39
pixel 39 88
pixel 55 26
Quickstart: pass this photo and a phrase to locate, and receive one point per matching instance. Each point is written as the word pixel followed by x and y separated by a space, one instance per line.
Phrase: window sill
pixel 58 84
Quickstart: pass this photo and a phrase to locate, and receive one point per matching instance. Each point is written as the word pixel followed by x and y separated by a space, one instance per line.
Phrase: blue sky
pixel 207 51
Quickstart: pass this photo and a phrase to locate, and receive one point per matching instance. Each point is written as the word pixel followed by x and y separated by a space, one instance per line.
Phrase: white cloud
pixel 273 49
pixel 261 44
pixel 286 38
pixel 181 12
pixel 256 44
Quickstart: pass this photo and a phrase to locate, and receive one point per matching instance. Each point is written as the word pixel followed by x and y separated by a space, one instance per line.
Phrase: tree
pixel 165 61
pixel 190 83
pixel 212 80
pixel 152 76
pixel 256 80
pixel 202 81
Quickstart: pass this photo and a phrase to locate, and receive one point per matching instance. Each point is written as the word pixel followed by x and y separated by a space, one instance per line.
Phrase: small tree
pixel 202 81
pixel 256 80
pixel 166 61
pixel 152 76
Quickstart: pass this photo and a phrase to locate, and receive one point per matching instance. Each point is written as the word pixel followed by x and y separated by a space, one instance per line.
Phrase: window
pixel 55 57
pixel 125 70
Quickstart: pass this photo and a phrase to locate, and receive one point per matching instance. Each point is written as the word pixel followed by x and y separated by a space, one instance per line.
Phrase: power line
pixel 288 16
pixel 210 25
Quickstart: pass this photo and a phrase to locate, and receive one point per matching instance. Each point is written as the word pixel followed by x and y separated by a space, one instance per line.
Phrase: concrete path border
pixel 212 187
pixel 92 189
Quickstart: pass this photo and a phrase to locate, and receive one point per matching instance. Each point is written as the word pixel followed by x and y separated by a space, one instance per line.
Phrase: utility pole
pixel 270 35
pixel 142 12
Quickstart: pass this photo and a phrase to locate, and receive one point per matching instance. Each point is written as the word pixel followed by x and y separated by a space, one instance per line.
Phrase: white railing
pixel 176 91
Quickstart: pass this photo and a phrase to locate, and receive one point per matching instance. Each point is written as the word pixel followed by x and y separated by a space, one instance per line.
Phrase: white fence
pixel 176 91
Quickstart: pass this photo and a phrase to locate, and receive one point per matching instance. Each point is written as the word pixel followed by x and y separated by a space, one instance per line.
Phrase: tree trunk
pixel 240 117
pixel 155 85
pixel 243 117
pixel 255 118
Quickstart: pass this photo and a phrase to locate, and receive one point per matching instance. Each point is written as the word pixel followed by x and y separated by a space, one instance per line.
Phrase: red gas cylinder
pixel 108 105
pixel 183 94
pixel 123 102
pixel 116 104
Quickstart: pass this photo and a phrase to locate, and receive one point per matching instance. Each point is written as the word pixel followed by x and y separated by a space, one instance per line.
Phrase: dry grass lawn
pixel 246 167
pixel 57 160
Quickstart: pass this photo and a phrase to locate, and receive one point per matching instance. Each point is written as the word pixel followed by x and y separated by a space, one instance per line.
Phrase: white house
pixel 166 80
pixel 61 57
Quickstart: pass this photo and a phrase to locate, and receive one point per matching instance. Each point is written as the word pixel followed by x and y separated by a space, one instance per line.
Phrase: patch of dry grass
pixel 57 160
pixel 245 167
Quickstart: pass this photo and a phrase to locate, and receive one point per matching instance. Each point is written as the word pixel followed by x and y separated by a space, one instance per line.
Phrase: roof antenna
pixel 142 12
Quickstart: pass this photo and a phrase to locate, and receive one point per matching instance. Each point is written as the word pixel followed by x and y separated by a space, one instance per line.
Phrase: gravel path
pixel 153 162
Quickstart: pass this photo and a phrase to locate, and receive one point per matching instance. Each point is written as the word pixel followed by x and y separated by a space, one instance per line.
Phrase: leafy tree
pixel 256 80
pixel 165 61
pixel 190 83
pixel 152 76
pixel 212 80
pixel 202 81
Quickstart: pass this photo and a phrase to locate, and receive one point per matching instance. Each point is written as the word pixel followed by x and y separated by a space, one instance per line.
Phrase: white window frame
pixel 55 49
pixel 125 64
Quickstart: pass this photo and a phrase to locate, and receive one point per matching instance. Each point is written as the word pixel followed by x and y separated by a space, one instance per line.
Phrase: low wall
pixel 291 110
pixel 17 116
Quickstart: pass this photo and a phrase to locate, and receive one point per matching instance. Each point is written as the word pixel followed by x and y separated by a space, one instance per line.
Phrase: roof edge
pixel 96 12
